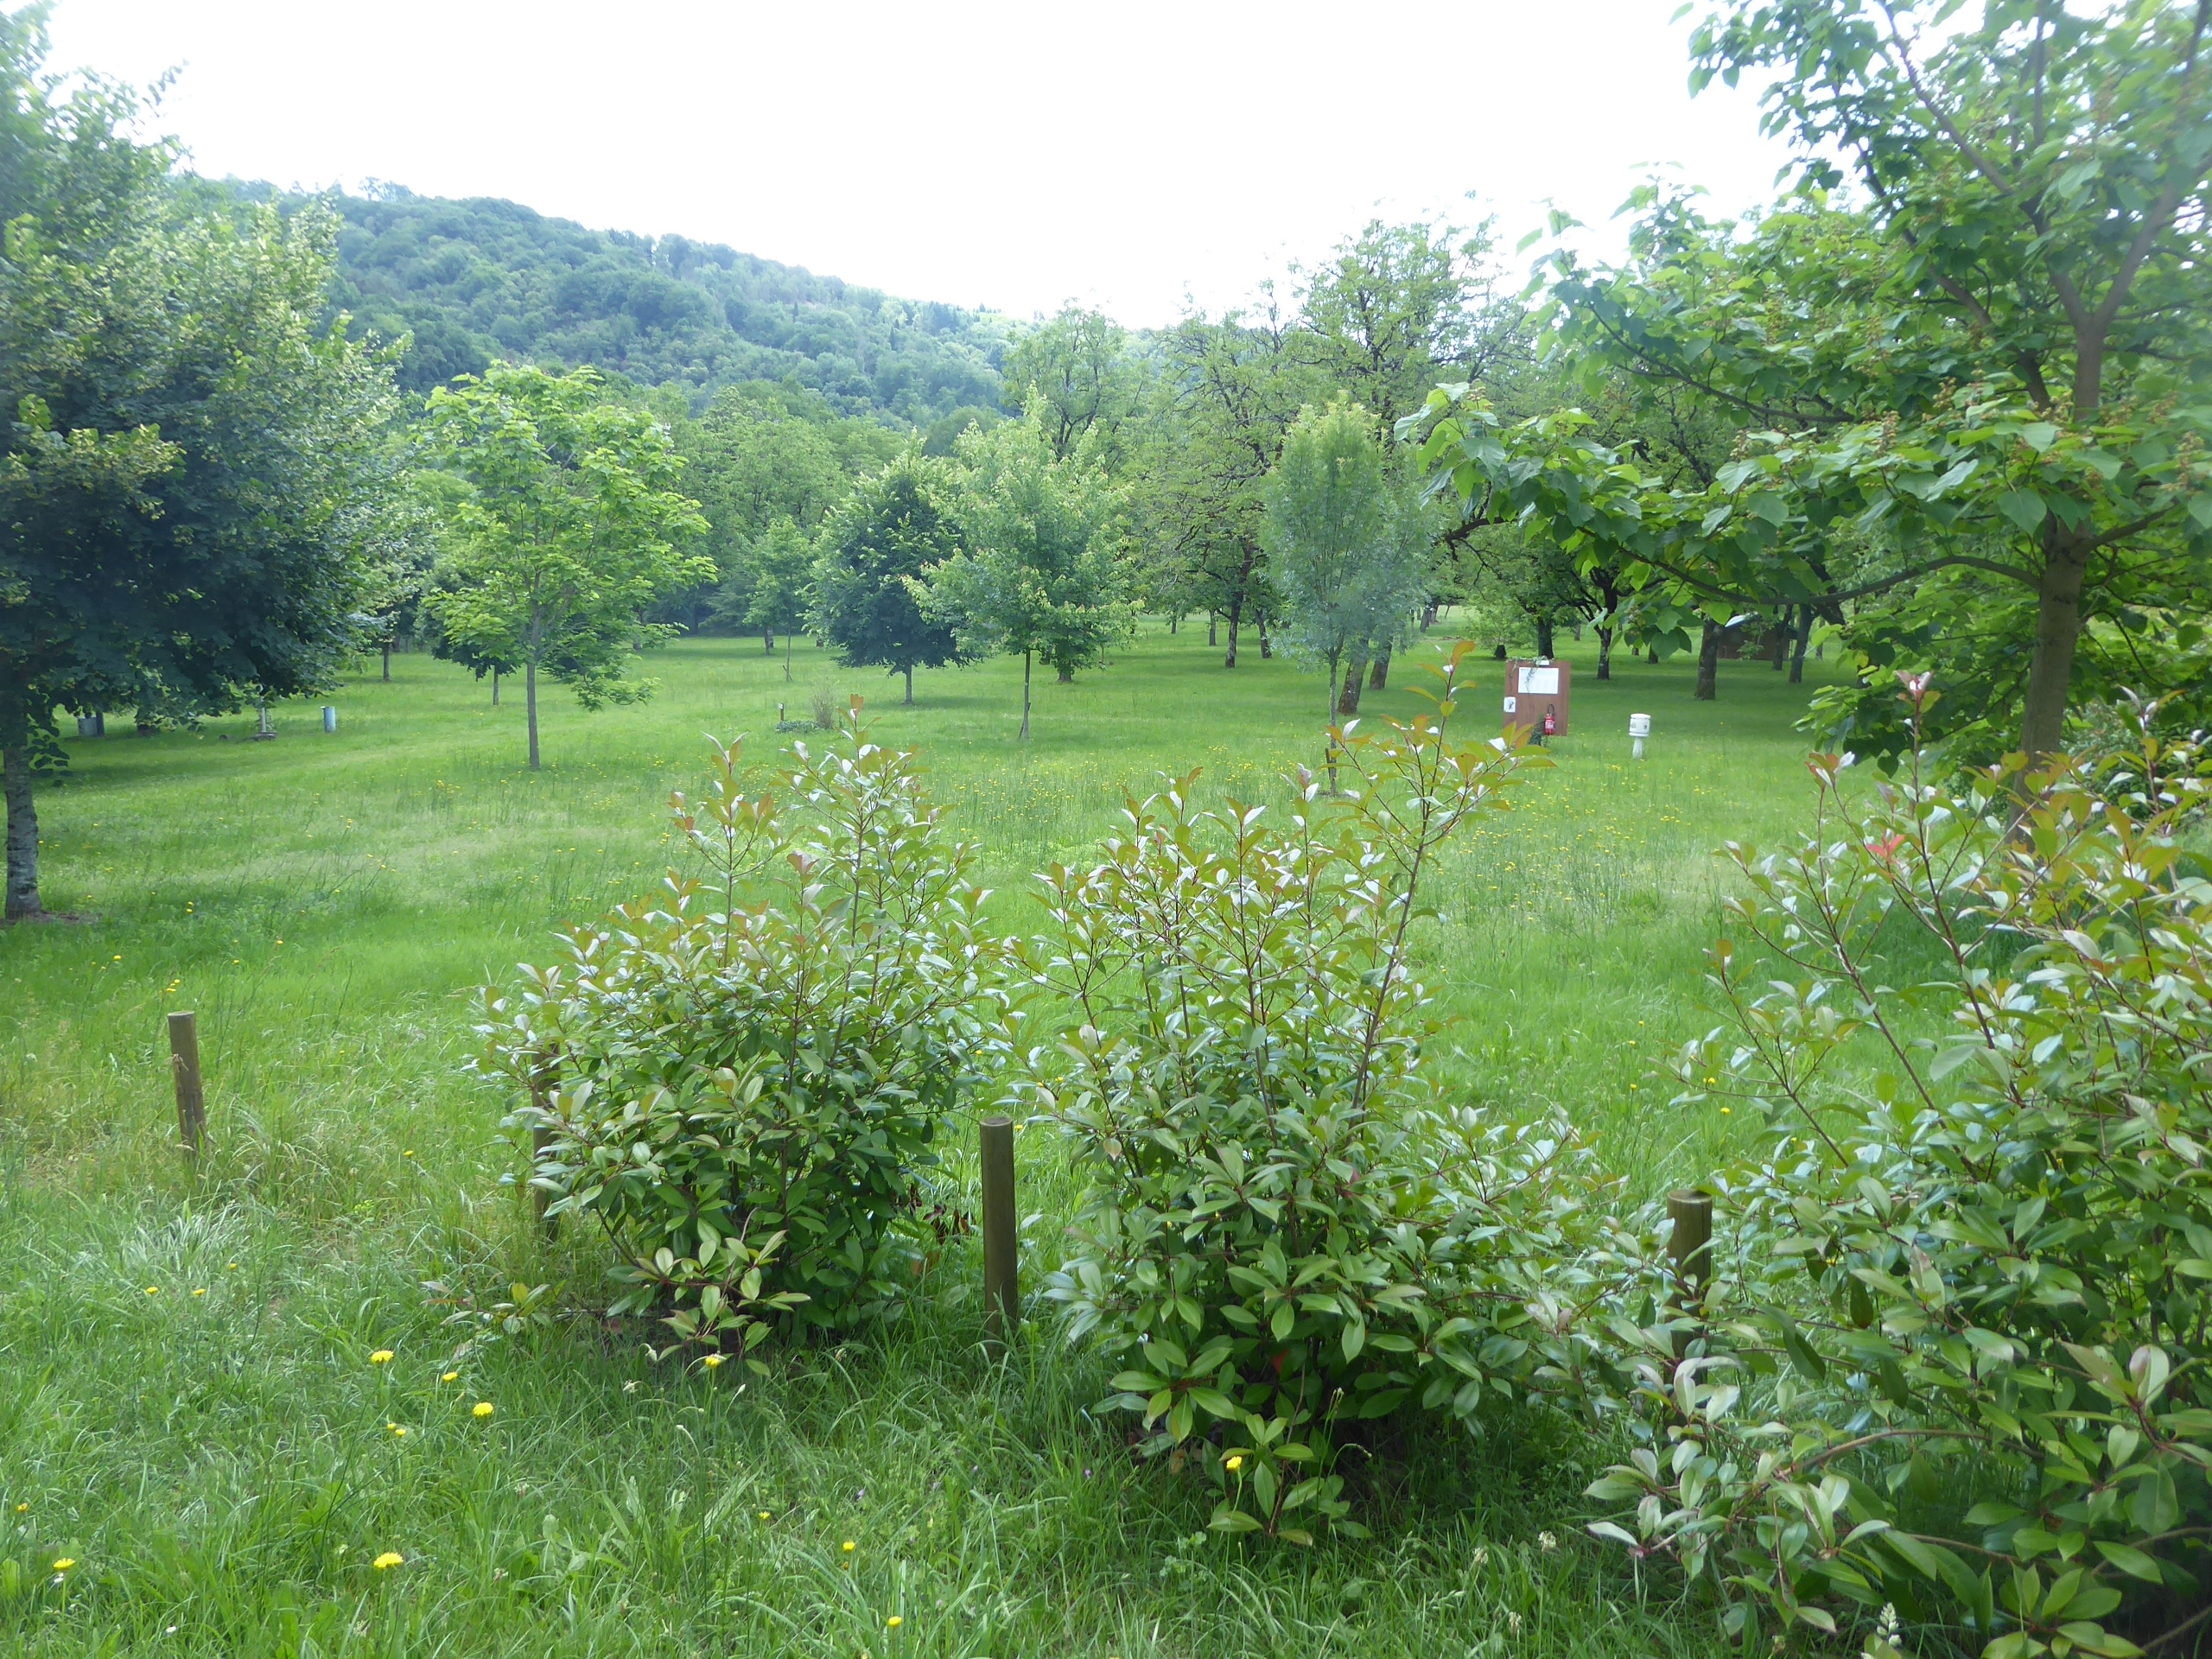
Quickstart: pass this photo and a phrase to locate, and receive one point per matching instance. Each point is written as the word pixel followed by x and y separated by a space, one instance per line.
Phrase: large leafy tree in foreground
pixel 1998 376
pixel 189 457
pixel 573 528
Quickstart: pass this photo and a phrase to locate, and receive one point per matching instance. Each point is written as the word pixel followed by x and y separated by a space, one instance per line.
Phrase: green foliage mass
pixel 742 1083
pixel 477 280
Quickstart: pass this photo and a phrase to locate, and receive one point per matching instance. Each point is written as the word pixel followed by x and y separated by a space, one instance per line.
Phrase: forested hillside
pixel 482 278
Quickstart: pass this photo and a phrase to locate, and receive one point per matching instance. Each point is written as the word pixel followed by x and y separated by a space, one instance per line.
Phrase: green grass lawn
pixel 190 1412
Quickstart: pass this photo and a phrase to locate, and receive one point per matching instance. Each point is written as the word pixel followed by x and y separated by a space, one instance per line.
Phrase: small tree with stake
pixel 1039 576
pixel 572 529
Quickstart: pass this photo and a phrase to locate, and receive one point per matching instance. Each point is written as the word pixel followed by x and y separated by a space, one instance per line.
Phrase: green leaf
pixel 2024 507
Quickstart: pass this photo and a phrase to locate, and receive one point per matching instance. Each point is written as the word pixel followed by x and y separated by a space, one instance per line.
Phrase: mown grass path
pixel 191 1414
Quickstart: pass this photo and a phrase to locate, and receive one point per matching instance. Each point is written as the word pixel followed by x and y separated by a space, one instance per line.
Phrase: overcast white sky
pixel 1013 155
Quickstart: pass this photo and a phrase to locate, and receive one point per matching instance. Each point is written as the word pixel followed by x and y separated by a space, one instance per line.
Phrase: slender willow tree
pixel 572 529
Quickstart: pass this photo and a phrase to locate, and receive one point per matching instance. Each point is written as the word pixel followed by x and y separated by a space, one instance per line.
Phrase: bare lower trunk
pixel 1236 622
pixel 529 700
pixel 1797 651
pixel 1708 665
pixel 387 661
pixel 1779 638
pixel 23 833
pixel 1381 676
pixel 1213 629
pixel 1355 675
pixel 495 688
pixel 910 685
pixel 1329 741
pixel 787 656
pixel 1067 676
pixel 1025 696
pixel 1605 653
pixel 768 642
pixel 2058 628
pixel 1267 640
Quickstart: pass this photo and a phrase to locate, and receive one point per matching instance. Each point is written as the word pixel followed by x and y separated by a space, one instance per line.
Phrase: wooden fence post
pixel 1002 1293
pixel 184 1065
pixel 1691 1210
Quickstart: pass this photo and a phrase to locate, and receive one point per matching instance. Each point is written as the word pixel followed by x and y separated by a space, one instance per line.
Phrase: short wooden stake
pixel 1002 1292
pixel 1691 1210
pixel 184 1064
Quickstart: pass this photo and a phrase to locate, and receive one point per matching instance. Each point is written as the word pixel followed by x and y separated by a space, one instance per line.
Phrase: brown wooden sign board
pixel 1534 688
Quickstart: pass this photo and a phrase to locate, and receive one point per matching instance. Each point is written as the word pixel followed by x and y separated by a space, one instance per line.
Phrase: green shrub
pixel 1286 1229
pixel 742 1083
pixel 1954 1359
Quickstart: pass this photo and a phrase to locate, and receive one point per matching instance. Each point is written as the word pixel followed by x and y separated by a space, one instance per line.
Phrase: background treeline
pixel 476 281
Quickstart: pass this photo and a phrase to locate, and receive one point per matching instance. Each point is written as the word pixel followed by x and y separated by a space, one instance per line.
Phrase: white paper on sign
pixel 1512 704
pixel 1540 682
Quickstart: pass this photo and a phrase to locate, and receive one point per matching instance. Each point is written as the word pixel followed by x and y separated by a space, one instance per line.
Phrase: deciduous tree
pixel 572 529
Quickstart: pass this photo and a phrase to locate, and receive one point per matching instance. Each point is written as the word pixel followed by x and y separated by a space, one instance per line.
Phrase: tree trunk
pixel 1804 632
pixel 787 658
pixel 387 661
pixel 1267 640
pixel 1381 676
pixel 1173 618
pixel 768 642
pixel 1025 696
pixel 2058 629
pixel 1329 740
pixel 1428 616
pixel 1605 653
pixel 910 685
pixel 1544 640
pixel 1709 664
pixel 529 702
pixel 1236 622
pixel 1651 656
pixel 1213 629
pixel 1354 673
pixel 23 833
pixel 1067 676
pixel 1781 634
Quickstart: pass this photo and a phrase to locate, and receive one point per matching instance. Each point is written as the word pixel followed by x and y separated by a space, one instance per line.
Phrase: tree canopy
pixel 193 443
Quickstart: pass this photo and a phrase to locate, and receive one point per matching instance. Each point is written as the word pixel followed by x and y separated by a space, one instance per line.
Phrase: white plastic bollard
pixel 329 718
pixel 1639 728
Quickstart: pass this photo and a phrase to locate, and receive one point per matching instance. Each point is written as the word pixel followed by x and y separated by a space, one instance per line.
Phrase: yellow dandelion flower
pixel 22 1508
pixel 153 1290
pixel 389 1559
pixel 1233 1465
pixel 893 1623
pixel 764 1513
pixel 850 1546
pixel 711 1361
pixel 382 1356
pixel 450 1377
pixel 63 1563
pixel 482 1408
pixel 199 1290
